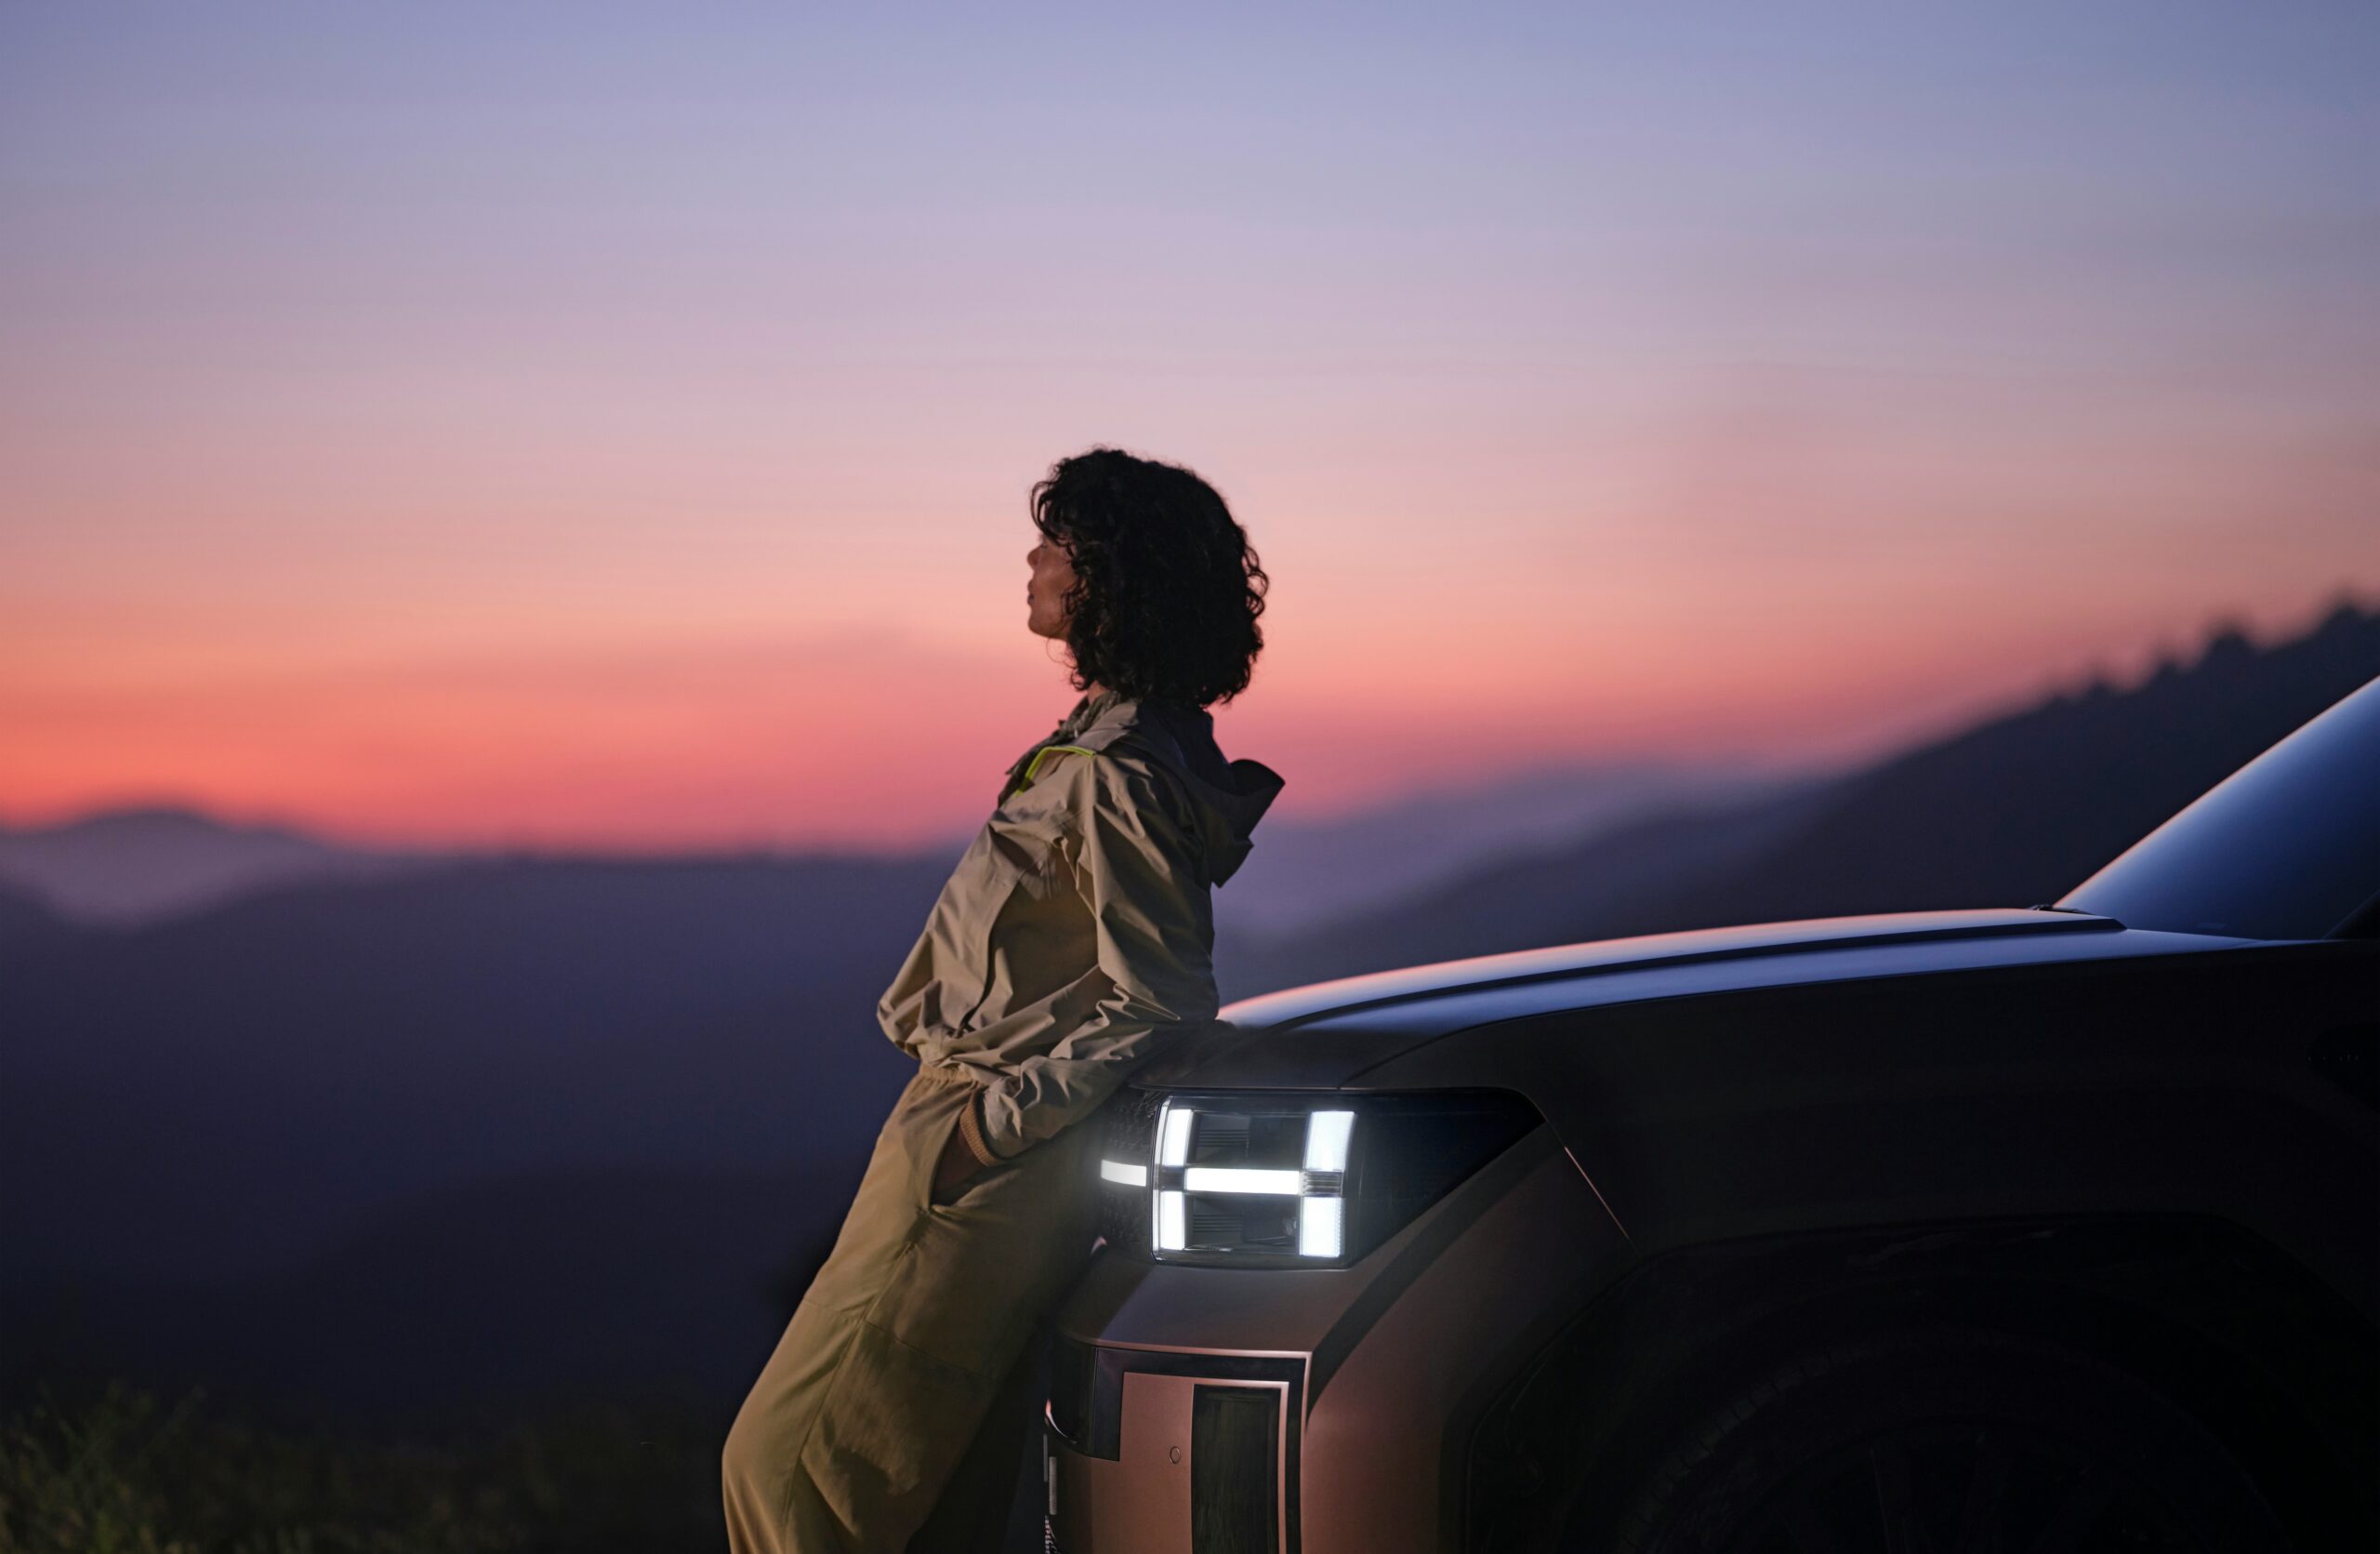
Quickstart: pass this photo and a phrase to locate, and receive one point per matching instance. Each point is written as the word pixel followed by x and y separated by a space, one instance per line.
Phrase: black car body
pixel 2052 1225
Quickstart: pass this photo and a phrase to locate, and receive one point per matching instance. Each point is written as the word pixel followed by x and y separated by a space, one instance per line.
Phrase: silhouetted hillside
pixel 511 1127
pixel 518 1123
pixel 1304 873
pixel 27 926
pixel 652 1283
pixel 217 1096
pixel 2013 812
pixel 138 865
pixel 125 868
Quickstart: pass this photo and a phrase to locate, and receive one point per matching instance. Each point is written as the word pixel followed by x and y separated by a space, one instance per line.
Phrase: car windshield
pixel 2287 847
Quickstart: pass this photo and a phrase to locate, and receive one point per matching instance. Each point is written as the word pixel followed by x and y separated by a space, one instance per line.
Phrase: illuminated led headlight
pixel 1305 1181
pixel 1308 1192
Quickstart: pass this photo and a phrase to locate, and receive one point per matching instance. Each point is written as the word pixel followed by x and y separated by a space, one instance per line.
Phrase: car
pixel 2042 1227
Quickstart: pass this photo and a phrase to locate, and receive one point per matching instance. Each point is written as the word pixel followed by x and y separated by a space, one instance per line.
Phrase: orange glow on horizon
pixel 619 436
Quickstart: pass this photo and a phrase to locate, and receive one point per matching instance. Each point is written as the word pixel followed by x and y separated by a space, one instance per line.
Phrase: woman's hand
pixel 956 1164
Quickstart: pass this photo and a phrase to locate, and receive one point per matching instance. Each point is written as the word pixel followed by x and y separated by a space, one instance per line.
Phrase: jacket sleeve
pixel 1137 869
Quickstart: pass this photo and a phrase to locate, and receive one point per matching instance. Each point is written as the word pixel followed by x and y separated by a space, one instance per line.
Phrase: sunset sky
pixel 611 426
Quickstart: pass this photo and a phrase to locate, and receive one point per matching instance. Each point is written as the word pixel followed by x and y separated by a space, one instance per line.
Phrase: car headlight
pixel 1289 1180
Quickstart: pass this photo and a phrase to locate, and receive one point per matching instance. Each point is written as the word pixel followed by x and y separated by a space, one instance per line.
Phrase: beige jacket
pixel 1076 933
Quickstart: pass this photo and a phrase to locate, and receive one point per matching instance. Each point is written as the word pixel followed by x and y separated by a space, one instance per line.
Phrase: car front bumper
pixel 1200 1409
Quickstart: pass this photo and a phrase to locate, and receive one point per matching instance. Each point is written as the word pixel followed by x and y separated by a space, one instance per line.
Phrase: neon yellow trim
pixel 1035 764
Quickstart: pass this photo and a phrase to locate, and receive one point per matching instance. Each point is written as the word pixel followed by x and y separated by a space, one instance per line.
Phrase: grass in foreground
pixel 120 1471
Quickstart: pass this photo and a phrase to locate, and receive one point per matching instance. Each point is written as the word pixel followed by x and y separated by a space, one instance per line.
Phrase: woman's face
pixel 1045 592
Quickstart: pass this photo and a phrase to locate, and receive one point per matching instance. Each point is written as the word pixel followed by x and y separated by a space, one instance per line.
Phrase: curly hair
pixel 1167 588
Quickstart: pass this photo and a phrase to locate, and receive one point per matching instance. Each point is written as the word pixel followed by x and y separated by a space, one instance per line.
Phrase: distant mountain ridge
pixel 126 867
pixel 132 867
pixel 289 1139
pixel 2013 812
pixel 1305 872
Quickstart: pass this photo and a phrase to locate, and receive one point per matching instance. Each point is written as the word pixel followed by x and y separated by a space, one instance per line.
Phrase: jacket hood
pixel 1226 797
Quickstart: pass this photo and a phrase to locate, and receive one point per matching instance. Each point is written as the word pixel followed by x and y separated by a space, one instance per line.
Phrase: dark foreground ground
pixel 113 1469
pixel 120 1469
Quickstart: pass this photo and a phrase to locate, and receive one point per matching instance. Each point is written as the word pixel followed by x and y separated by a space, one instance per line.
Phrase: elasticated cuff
pixel 970 1128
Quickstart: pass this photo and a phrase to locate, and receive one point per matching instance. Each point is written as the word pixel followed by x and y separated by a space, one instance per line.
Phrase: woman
pixel 1071 942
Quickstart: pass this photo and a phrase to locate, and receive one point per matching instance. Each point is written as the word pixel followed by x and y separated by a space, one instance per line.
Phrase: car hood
pixel 1327 1033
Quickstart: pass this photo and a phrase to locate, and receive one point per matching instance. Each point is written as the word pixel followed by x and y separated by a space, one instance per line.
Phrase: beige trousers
pixel 898 1374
